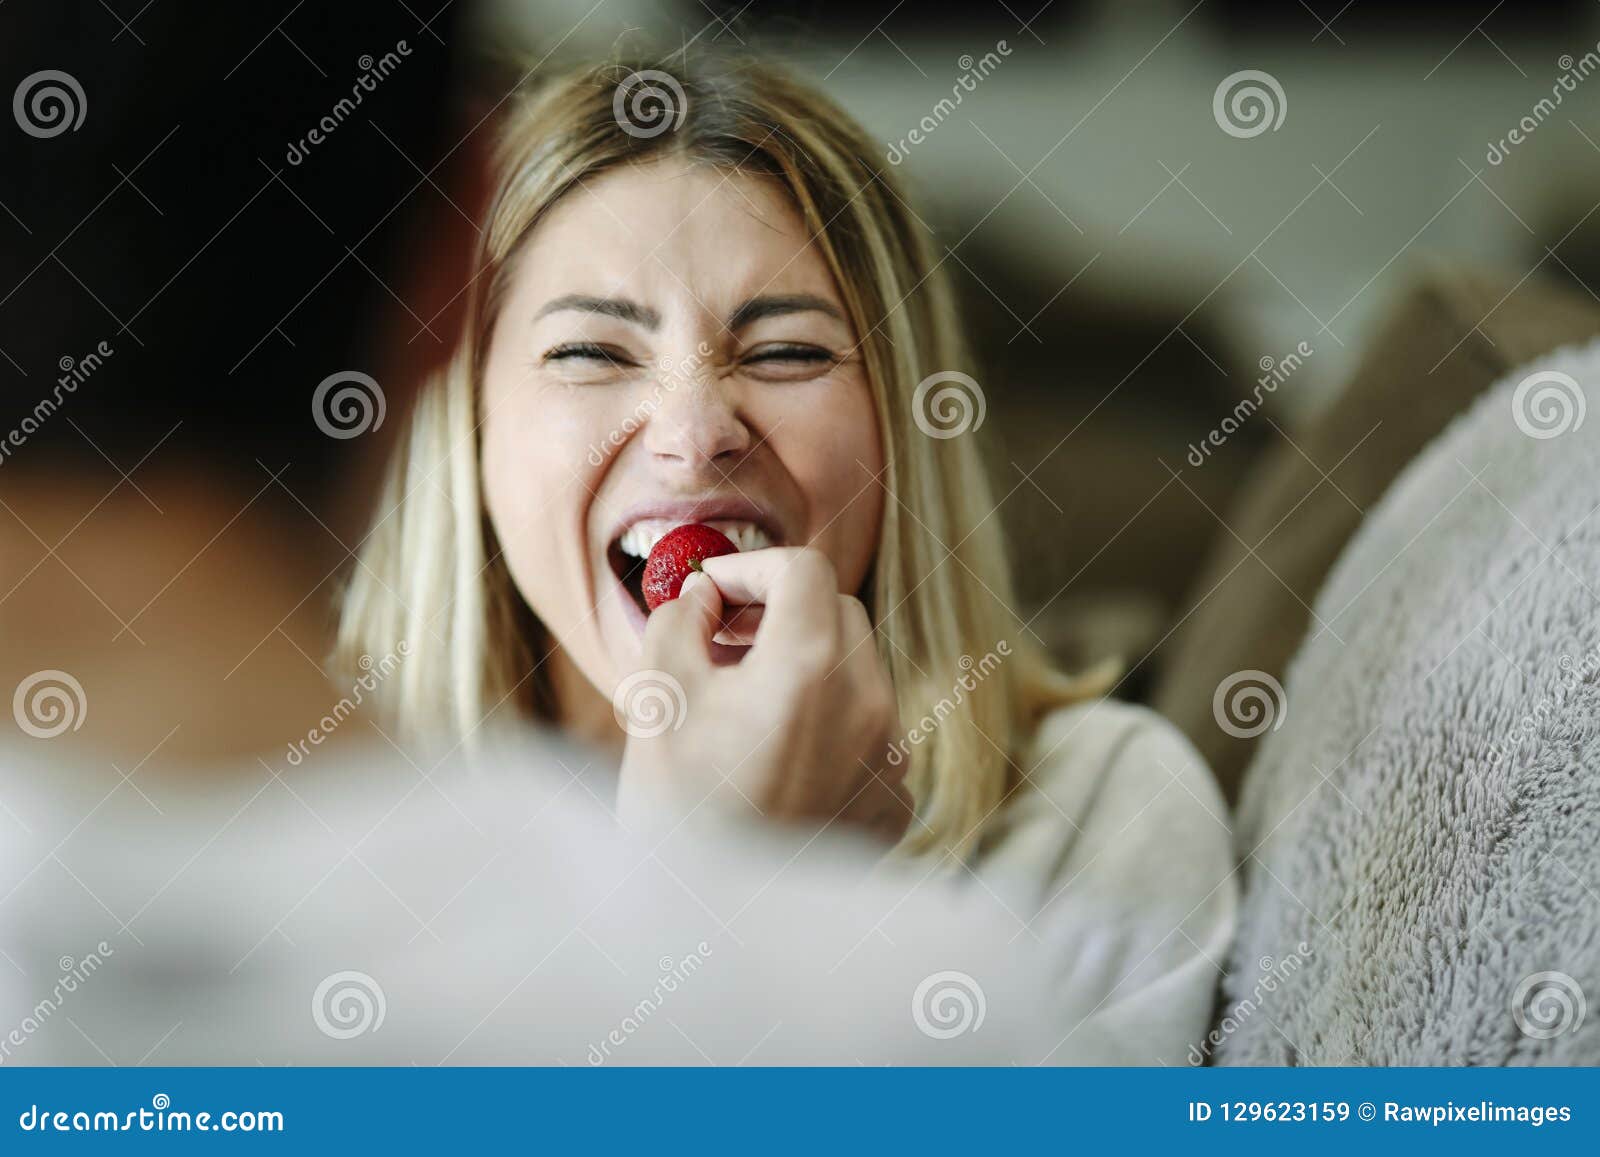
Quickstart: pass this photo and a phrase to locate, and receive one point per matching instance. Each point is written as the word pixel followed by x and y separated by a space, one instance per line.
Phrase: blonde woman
pixel 699 298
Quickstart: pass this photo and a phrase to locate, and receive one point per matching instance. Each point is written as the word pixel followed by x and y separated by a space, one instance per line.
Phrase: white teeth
pixel 744 535
pixel 641 537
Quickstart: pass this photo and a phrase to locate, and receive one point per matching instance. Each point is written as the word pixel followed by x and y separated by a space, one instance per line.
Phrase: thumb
pixel 686 625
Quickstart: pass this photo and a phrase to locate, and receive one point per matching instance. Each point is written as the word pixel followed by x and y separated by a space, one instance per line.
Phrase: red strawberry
pixel 675 554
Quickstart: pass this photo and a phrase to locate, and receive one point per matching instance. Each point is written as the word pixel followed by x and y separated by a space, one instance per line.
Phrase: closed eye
pixel 789 362
pixel 587 351
pixel 791 353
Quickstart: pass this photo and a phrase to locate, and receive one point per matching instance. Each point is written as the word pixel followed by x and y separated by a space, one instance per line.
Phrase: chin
pixel 621 637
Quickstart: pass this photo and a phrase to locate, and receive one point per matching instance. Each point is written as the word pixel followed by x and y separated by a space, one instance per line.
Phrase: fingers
pixel 858 656
pixel 680 631
pixel 815 647
pixel 748 576
pixel 744 581
pixel 784 598
pixel 886 805
pixel 798 587
pixel 801 623
pixel 855 628
pixel 740 623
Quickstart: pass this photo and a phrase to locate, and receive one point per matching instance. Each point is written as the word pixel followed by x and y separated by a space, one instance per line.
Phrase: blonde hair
pixel 939 592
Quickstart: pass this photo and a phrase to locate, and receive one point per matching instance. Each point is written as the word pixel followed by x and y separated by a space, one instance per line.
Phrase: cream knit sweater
pixel 1122 864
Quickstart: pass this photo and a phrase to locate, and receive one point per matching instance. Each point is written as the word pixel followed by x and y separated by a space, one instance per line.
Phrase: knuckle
pixel 812 659
pixel 810 566
pixel 874 715
pixel 854 610
pixel 875 690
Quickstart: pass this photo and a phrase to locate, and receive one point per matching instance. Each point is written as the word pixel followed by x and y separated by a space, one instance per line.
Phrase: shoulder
pixel 1118 850
pixel 1113 790
pixel 1112 756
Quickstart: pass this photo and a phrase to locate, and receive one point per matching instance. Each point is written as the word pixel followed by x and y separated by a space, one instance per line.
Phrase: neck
pixel 581 710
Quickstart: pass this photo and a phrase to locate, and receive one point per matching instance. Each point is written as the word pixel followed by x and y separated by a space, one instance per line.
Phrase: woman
pixel 697 299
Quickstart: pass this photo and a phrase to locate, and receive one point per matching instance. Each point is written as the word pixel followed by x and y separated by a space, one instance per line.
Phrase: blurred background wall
pixel 1131 270
pixel 1131 265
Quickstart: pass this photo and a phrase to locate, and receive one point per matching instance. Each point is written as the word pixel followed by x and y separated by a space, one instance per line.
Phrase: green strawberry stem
pixel 694 564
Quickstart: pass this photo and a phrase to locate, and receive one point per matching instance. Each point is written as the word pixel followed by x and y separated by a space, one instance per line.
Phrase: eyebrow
pixel 618 307
pixel 752 311
pixel 777 305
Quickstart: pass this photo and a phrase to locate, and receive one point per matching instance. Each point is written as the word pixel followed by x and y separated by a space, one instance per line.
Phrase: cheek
pixel 539 432
pixel 834 453
pixel 535 481
pixel 520 474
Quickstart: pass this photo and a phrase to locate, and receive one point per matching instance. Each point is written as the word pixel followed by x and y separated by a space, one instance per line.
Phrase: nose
pixel 697 426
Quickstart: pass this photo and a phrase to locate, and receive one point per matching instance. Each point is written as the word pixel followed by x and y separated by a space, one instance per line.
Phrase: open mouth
pixel 630 549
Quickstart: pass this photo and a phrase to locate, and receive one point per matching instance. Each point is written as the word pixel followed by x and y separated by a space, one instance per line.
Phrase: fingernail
pixel 691 580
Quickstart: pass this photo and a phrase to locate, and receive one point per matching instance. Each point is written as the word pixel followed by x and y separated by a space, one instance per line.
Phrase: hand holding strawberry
pixel 800 728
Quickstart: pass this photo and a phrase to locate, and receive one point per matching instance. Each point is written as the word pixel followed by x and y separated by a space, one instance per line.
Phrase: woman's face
pixel 671 349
